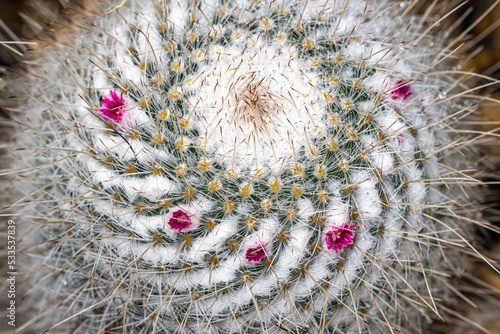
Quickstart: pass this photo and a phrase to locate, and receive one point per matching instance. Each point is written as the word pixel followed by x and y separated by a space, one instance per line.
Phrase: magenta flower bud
pixel 255 253
pixel 180 220
pixel 339 237
pixel 113 106
pixel 400 91
pixel 399 139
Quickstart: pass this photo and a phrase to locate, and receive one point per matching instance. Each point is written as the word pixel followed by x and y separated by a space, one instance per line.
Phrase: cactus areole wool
pixel 246 167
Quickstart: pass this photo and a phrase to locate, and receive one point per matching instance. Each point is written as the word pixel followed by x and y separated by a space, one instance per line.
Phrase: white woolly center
pixel 257 103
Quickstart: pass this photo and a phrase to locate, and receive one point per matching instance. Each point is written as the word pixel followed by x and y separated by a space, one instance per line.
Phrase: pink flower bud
pixel 400 91
pixel 256 252
pixel 113 106
pixel 180 220
pixel 338 237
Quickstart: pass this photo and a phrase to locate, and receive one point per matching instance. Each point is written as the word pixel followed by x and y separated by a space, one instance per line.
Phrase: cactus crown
pixel 246 166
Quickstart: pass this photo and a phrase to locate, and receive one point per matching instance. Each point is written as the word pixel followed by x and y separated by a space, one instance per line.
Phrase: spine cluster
pixel 247 167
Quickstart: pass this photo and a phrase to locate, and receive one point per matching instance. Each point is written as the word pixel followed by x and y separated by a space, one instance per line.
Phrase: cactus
pixel 246 167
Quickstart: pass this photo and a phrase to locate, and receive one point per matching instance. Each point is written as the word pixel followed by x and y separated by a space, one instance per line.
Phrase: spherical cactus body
pixel 246 167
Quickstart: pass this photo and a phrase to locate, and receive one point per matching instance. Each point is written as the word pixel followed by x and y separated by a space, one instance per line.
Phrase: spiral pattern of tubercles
pixel 271 175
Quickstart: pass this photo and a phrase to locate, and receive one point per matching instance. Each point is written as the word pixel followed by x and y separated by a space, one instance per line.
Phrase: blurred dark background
pixel 27 20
